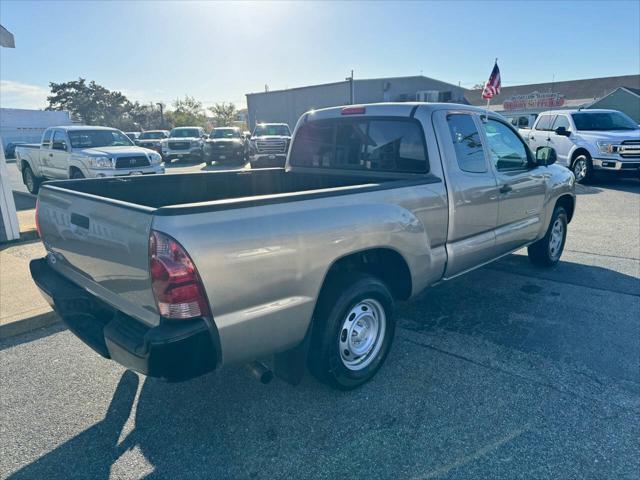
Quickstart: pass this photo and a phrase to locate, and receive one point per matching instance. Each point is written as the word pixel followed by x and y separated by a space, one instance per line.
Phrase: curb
pixel 28 324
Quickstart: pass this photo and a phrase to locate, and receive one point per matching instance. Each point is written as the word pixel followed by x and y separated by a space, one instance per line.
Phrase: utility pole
pixel 351 89
pixel 161 107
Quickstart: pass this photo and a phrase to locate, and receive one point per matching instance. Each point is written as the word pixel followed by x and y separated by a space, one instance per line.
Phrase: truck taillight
pixel 176 284
pixel 37 219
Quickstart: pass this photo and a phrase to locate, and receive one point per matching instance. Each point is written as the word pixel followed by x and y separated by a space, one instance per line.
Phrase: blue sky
pixel 215 51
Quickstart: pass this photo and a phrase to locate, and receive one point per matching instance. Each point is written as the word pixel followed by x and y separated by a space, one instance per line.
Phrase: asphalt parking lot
pixel 509 372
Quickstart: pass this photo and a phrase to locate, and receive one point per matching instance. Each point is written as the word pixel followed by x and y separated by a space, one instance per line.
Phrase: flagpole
pixel 489 99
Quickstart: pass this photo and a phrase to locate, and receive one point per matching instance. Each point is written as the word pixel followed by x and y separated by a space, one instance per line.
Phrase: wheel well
pixel 383 263
pixel 579 151
pixel 73 169
pixel 568 203
pixel 24 164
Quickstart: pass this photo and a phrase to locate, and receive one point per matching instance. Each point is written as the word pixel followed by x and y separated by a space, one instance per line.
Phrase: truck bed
pixel 193 190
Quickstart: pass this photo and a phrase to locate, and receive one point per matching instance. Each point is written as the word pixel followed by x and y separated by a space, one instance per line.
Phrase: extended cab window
pixel 361 144
pixel 46 138
pixel 545 122
pixel 467 144
pixel 507 150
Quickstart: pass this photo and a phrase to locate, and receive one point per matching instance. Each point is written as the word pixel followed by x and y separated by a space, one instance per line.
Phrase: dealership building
pixel 286 106
pixel 618 93
pixel 22 125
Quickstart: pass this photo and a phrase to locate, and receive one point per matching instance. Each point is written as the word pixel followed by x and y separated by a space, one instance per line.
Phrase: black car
pixel 226 144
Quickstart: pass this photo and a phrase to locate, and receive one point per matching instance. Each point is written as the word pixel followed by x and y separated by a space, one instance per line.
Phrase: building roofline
pixel 344 82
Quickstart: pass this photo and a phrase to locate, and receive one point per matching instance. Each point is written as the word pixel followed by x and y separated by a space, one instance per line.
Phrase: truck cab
pixel 589 141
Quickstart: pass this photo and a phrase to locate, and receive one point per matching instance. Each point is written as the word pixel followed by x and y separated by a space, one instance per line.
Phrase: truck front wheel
pixel 546 252
pixel 30 180
pixel 582 168
pixel 352 331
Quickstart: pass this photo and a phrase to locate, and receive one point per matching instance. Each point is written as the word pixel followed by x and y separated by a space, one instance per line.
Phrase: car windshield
pixel 184 133
pixel 151 135
pixel 98 138
pixel 603 121
pixel 278 130
pixel 225 133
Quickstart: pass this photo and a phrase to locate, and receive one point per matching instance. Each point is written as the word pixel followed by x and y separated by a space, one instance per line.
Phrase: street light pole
pixel 351 89
pixel 160 106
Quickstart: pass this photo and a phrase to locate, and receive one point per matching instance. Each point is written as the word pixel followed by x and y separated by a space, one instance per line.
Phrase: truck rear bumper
pixel 174 350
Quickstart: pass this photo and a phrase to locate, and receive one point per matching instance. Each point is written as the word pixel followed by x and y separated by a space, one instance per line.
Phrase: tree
pixel 478 86
pixel 186 113
pixel 224 114
pixel 93 104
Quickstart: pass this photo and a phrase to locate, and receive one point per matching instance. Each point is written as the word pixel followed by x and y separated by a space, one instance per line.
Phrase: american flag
pixel 492 87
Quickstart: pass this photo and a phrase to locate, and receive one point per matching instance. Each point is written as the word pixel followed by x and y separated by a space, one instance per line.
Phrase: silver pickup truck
pixel 83 152
pixel 176 275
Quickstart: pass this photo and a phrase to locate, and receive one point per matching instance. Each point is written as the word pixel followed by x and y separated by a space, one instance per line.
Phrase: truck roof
pixel 395 108
pixel 577 110
pixel 82 127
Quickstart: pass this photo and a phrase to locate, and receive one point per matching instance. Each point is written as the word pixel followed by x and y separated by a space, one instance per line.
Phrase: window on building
pixel 466 143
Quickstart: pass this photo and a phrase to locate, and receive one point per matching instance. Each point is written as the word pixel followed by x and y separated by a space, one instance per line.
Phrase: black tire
pixel 582 168
pixel 543 253
pixel 76 174
pixel 30 180
pixel 347 293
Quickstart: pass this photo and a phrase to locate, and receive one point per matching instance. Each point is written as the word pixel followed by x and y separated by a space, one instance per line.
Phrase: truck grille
pixel 271 146
pixel 179 145
pixel 630 149
pixel 132 162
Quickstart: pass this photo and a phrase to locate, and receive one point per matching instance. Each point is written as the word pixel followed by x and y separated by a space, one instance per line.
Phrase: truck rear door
pixel 539 134
pixel 101 245
pixel 471 188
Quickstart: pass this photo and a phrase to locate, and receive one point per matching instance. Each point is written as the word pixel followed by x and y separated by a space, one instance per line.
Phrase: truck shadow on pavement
pixel 426 413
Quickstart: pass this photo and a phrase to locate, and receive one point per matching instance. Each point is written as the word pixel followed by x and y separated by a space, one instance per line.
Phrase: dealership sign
pixel 533 100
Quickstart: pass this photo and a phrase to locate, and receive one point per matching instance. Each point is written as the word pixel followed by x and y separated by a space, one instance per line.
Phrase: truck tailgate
pixel 101 245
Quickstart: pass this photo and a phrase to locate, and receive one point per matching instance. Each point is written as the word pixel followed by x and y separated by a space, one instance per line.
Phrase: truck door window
pixel 467 144
pixel 506 149
pixel 59 141
pixel 561 121
pixel 46 138
pixel 545 122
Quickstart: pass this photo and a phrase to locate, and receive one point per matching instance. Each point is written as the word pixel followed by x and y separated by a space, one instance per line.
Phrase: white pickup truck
pixel 83 152
pixel 588 141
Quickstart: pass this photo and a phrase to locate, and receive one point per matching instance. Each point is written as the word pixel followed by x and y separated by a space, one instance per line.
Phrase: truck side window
pixel 561 121
pixel 507 150
pixel 545 122
pixel 467 144
pixel 46 138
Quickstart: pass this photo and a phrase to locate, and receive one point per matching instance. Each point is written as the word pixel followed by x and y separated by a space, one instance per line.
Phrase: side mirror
pixel 546 156
pixel 562 131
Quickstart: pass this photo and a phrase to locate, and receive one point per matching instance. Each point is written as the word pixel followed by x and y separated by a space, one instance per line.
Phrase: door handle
pixel 505 188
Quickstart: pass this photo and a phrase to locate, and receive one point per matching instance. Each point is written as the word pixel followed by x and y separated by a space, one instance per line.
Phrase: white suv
pixel 587 141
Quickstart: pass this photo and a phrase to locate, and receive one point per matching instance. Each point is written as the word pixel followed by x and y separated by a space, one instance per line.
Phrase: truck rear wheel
pixel 352 332
pixel 30 180
pixel 546 252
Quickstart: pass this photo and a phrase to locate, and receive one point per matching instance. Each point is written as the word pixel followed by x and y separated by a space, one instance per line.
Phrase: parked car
pixel 269 145
pixel 184 142
pixel 589 141
pixel 133 136
pixel 10 149
pixel 523 120
pixel 226 144
pixel 378 202
pixel 152 139
pixel 79 152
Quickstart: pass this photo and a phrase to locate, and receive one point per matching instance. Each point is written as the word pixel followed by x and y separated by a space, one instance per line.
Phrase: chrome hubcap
pixel 557 236
pixel 580 169
pixel 362 334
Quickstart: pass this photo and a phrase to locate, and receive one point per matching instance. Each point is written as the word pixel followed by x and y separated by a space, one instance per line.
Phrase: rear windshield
pixel 151 135
pixel 603 121
pixel 98 138
pixel 380 144
pixel 184 133
pixel 276 130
